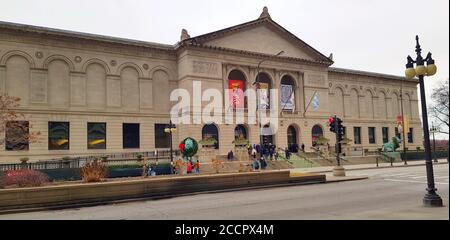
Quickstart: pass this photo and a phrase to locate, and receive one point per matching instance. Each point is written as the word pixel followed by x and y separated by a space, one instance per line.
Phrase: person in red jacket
pixel 189 167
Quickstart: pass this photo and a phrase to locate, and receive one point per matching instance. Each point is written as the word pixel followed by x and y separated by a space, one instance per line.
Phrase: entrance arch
pixel 267 136
pixel 316 133
pixel 210 131
pixel 292 138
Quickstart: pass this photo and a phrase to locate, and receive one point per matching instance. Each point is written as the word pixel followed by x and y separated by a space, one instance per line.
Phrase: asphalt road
pixel 393 193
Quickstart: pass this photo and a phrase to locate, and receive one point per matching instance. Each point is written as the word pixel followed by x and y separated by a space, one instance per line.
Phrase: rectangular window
pixel 130 135
pixel 16 135
pixel 162 139
pixel 357 135
pixel 372 139
pixel 410 136
pixel 96 135
pixel 397 133
pixel 385 133
pixel 58 136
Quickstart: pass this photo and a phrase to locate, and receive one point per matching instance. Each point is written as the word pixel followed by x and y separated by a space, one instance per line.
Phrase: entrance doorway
pixel 292 139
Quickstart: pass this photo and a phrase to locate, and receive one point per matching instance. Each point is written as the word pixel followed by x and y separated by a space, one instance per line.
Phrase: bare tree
pixel 11 122
pixel 439 109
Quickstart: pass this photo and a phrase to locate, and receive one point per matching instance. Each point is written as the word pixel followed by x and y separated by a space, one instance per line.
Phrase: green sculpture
pixel 188 148
pixel 392 145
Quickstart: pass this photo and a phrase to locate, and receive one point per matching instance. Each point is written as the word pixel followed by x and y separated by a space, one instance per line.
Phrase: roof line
pixel 89 36
pixel 371 74
pixel 256 21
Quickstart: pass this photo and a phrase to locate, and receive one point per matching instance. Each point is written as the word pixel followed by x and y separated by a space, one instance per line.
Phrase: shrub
pixel 2 180
pixel 93 171
pixel 66 158
pixel 24 178
pixel 24 159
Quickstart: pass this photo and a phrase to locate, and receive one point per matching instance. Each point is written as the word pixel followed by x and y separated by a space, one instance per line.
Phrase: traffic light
pixel 339 130
pixel 331 124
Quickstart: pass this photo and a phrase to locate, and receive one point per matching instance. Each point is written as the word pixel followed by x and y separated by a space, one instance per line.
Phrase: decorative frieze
pixel 208 68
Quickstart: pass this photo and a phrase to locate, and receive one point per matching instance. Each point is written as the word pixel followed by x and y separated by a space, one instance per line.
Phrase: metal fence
pixel 79 161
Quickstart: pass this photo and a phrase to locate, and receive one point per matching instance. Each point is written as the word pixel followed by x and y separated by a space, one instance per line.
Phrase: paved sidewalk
pixel 366 166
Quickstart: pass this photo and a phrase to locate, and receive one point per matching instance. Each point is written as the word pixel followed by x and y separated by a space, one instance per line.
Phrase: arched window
pixel 287 93
pixel 240 132
pixel 236 83
pixel 210 135
pixel 317 132
pixel 264 84
pixel 292 138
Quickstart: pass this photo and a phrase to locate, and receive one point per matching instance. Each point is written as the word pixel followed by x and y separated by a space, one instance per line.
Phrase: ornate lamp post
pixel 170 128
pixel 434 129
pixel 257 86
pixel 431 198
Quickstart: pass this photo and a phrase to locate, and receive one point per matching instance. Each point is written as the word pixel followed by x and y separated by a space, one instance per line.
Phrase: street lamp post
pixel 170 128
pixel 431 198
pixel 257 86
pixel 433 130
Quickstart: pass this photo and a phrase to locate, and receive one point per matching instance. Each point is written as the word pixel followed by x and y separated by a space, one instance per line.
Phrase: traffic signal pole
pixel 336 127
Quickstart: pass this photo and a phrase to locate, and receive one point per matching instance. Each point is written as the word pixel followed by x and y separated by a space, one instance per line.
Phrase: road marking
pixel 440 176
pixel 412 181
pixel 397 175
pixel 419 177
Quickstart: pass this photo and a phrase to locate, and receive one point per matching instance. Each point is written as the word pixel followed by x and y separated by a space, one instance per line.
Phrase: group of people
pixel 190 166
pixel 267 151
pixel 149 169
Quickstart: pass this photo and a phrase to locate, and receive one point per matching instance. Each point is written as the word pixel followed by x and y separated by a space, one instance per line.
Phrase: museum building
pixel 89 94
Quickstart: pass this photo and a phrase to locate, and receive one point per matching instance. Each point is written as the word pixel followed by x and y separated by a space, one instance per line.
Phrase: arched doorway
pixel 264 84
pixel 292 139
pixel 316 133
pixel 240 135
pixel 267 135
pixel 287 93
pixel 237 85
pixel 210 134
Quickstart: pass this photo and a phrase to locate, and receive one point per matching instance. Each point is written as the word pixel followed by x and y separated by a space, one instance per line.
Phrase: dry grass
pixel 94 171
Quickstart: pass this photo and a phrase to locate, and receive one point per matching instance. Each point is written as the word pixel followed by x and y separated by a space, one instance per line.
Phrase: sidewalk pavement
pixel 327 169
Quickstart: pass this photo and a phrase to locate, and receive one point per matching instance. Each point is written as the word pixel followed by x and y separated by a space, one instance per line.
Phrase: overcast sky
pixel 370 35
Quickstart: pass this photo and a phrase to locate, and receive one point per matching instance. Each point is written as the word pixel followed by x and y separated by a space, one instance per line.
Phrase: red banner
pixel 236 96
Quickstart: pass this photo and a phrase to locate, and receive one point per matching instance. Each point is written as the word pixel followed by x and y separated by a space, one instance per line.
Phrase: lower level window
pixel 96 135
pixel 16 135
pixel 357 135
pixel 410 136
pixel 385 133
pixel 130 135
pixel 372 139
pixel 58 136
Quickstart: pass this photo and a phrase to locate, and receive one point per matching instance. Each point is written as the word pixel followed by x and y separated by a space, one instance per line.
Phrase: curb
pixel 154 197
pixel 146 198
pixel 367 168
pixel 347 179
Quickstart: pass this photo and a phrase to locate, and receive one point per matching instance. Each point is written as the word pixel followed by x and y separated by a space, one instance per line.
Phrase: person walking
pixel 255 164
pixel 254 153
pixel 189 167
pixel 197 167
pixel 263 163
pixel 303 147
pixel 286 153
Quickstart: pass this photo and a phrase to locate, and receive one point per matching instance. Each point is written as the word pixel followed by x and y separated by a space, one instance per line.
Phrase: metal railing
pixel 79 161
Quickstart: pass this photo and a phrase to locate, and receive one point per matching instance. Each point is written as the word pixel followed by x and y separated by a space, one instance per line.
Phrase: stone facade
pixel 80 78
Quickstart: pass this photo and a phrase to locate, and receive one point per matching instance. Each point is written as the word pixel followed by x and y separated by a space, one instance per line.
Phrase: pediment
pixel 261 36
